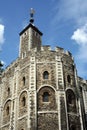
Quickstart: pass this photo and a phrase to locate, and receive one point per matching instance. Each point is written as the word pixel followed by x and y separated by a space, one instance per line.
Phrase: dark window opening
pixel 24 81
pixel 23 101
pixel 70 99
pixel 45 75
pixel 7 110
pixel 46 97
pixel 72 127
pixel 8 91
pixel 69 79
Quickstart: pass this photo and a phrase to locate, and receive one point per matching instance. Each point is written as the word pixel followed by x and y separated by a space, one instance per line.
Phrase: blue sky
pixel 62 22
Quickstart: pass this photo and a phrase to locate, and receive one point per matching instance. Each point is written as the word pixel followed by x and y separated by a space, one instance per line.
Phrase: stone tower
pixel 41 89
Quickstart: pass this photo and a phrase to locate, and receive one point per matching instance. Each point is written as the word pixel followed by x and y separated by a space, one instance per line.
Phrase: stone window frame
pixel 8 91
pixel 24 80
pixel 45 75
pixel 23 99
pixel 69 79
pixel 45 97
pixel 46 88
pixel 70 97
pixel 7 108
pixel 43 69
pixel 23 55
pixel 24 34
pixel 71 101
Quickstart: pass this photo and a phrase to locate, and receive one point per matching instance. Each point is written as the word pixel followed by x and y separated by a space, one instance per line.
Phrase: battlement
pixel 45 48
pixel 57 49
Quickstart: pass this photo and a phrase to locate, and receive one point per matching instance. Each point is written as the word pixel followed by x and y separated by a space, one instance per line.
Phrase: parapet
pixel 59 49
pixel 45 48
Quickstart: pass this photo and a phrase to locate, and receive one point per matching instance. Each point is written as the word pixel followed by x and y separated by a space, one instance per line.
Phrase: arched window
pixel 24 81
pixel 45 97
pixel 7 110
pixel 68 78
pixel 23 101
pixel 45 75
pixel 71 101
pixel 70 98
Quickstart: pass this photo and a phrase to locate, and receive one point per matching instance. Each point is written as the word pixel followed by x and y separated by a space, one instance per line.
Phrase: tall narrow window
pixel 8 91
pixel 68 78
pixel 45 75
pixel 70 99
pixel 23 101
pixel 7 110
pixel 45 97
pixel 24 81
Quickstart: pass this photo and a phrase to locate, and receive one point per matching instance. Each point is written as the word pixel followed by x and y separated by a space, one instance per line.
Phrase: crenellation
pixel 59 49
pixel 45 48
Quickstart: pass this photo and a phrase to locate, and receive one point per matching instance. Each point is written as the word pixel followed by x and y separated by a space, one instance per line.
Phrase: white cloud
pixel 80 38
pixel 74 10
pixel 1 34
pixel 74 14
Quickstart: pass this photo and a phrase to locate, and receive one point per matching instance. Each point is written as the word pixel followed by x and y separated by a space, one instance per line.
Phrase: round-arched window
pixel 45 97
pixel 45 75
pixel 71 101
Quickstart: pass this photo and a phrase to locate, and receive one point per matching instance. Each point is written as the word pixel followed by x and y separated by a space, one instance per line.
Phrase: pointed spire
pixel 32 15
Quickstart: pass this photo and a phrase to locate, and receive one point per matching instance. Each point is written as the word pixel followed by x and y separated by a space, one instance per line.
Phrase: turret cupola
pixel 30 37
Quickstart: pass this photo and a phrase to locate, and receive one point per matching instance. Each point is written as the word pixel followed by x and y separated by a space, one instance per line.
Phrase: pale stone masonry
pixel 41 89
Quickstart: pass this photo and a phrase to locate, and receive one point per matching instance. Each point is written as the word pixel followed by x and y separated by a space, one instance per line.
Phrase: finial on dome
pixel 32 15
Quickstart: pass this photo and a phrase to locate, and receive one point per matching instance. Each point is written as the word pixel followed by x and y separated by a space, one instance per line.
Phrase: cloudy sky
pixel 63 23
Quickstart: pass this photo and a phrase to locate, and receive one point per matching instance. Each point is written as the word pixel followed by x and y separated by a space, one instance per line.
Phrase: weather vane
pixel 32 12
